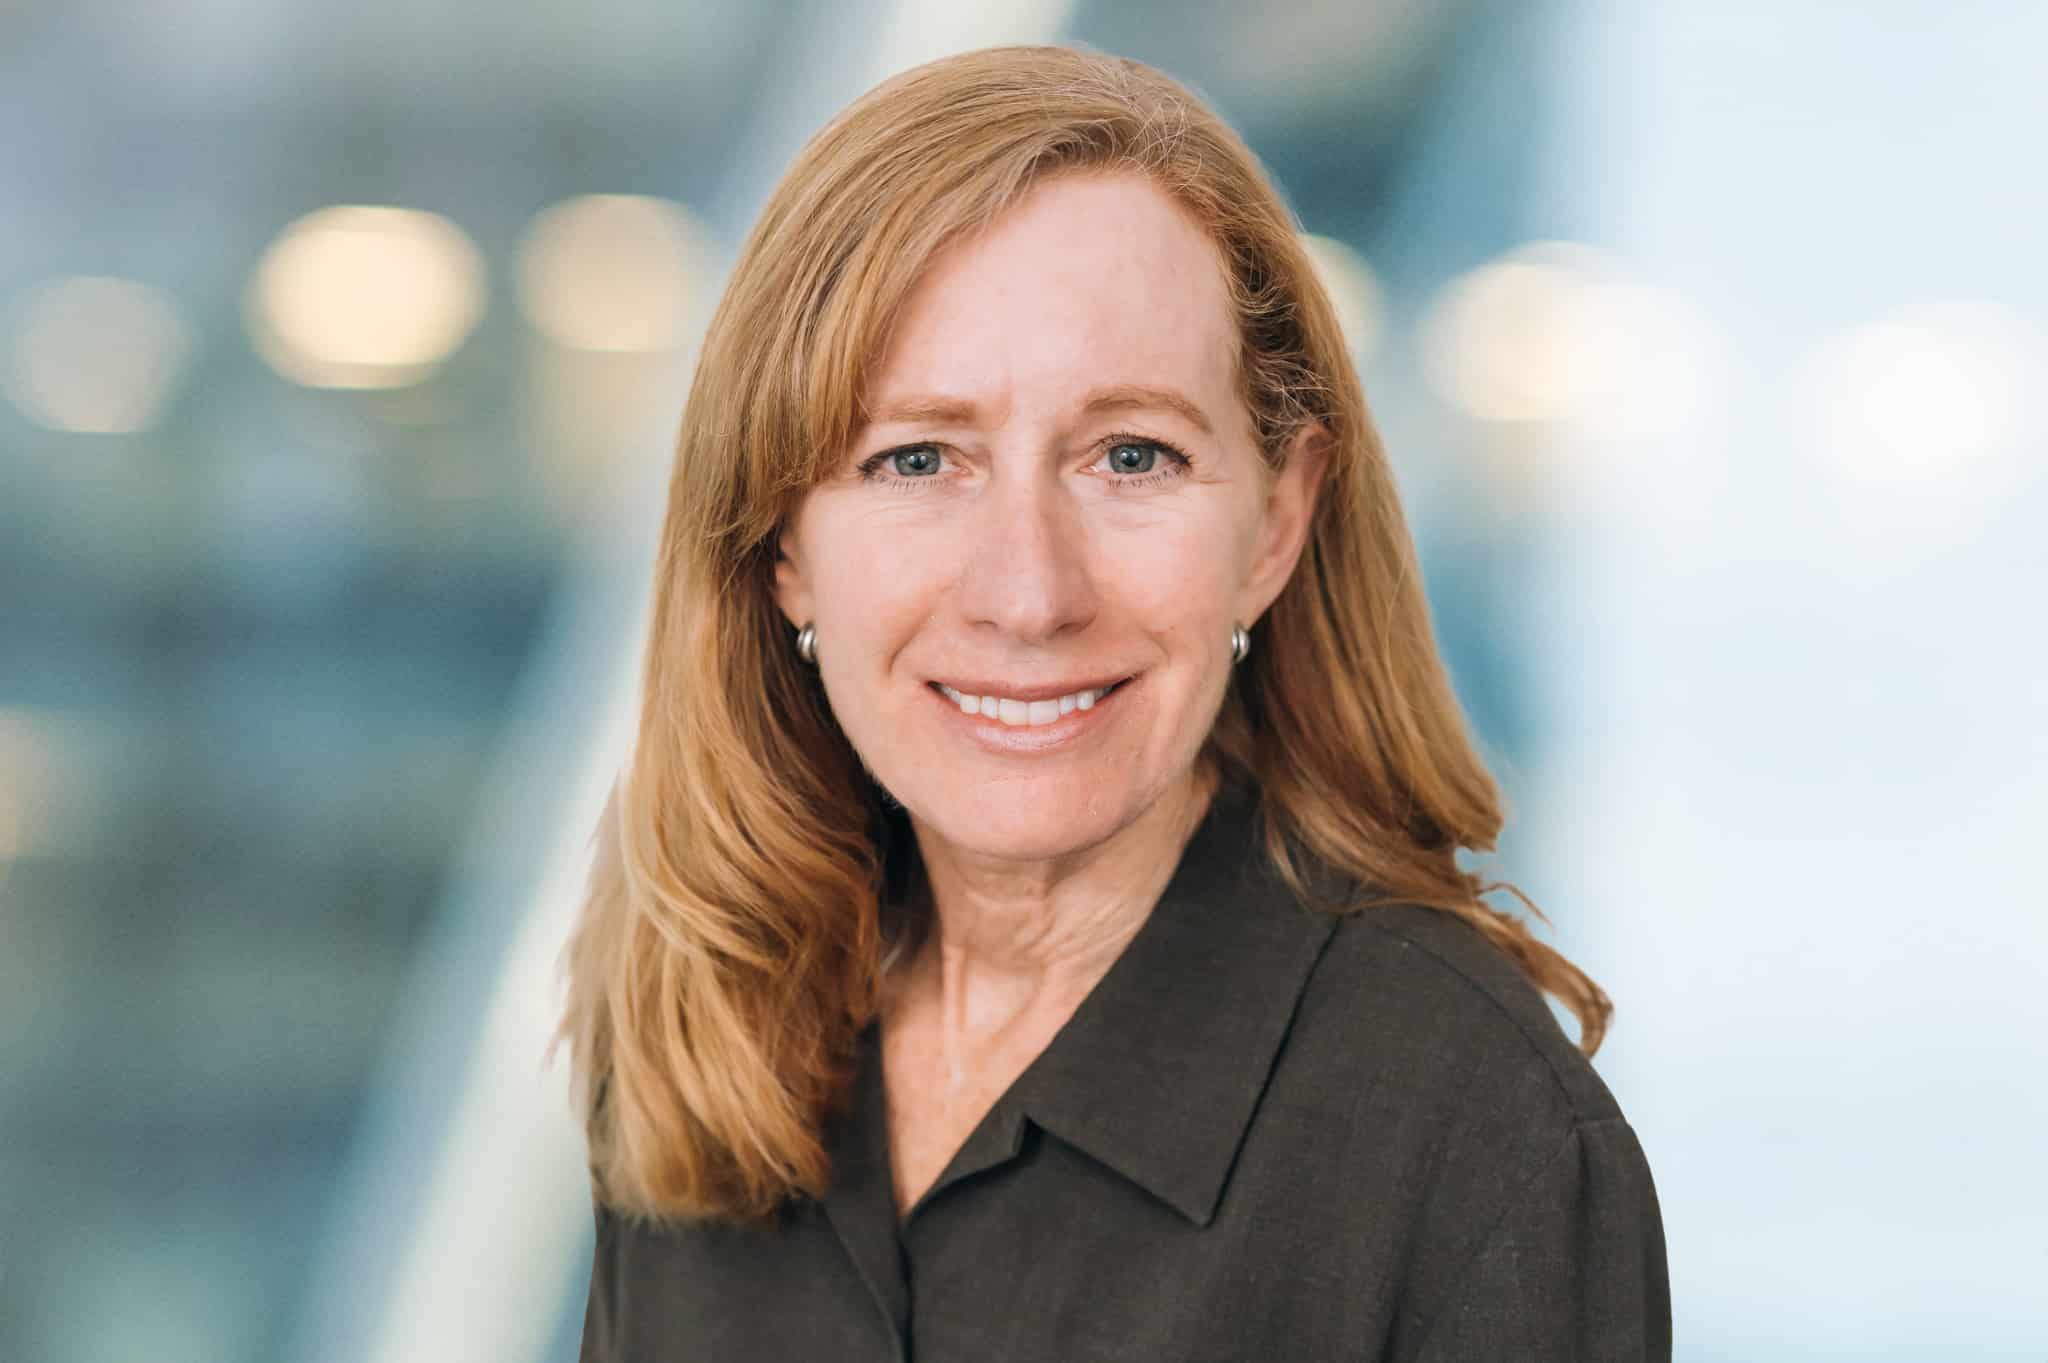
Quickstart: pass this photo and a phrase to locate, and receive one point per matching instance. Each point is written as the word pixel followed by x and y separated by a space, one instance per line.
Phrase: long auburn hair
pixel 742 906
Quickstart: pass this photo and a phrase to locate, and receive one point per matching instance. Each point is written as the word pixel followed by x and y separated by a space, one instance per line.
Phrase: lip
pixel 1045 691
pixel 1070 728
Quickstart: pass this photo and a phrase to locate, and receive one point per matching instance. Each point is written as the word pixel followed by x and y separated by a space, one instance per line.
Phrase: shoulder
pixel 1421 998
pixel 1475 1146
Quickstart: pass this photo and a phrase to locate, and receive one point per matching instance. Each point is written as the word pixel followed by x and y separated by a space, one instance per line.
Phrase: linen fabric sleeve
pixel 1574 1271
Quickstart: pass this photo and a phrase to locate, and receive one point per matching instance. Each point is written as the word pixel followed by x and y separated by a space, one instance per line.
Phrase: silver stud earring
pixel 1240 644
pixel 807 643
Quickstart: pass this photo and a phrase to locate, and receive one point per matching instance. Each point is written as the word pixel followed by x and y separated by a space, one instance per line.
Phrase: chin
pixel 1015 823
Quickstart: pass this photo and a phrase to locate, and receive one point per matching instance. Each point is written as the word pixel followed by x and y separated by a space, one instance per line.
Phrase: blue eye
pixel 1133 461
pixel 1133 458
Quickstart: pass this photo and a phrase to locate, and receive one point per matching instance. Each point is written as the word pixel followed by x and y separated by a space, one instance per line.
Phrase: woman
pixel 1029 926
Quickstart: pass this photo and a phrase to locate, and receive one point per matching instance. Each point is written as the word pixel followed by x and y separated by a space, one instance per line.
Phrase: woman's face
pixel 1057 495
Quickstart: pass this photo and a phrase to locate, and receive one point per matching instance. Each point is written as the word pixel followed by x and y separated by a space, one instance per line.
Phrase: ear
pixel 1289 511
pixel 792 586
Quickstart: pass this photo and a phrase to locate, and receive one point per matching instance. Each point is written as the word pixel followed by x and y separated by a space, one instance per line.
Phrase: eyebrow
pixel 1123 397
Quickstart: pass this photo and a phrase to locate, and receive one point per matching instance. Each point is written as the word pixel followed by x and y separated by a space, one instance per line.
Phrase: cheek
pixel 873 589
pixel 1177 575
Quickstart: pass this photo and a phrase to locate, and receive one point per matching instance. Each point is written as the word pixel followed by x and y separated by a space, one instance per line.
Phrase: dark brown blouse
pixel 1269 1133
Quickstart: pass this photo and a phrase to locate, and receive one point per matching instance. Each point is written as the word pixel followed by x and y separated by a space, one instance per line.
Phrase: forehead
pixel 1087 280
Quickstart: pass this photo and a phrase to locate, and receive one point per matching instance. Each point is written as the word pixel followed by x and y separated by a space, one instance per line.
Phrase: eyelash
pixel 1178 462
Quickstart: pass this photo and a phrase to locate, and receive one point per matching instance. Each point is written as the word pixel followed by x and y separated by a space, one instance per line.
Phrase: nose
pixel 1028 573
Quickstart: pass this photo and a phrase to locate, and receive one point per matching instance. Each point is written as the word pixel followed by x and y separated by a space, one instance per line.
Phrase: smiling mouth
pixel 1027 713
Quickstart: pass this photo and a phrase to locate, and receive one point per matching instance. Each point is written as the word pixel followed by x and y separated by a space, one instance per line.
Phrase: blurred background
pixel 341 348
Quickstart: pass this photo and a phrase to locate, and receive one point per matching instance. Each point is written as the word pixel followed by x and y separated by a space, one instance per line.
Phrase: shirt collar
pixel 1160 1069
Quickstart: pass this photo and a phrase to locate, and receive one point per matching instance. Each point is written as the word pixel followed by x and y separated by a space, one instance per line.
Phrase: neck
pixel 1011 942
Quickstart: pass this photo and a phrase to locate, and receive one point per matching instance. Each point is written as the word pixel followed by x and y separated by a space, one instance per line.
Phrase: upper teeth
pixel 1023 711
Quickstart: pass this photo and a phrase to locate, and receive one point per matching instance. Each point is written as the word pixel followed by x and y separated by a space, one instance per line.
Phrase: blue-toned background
pixel 341 347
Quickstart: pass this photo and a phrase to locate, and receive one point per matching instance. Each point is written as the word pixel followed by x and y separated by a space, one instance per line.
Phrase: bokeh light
pixel 10 820
pixel 1353 288
pixel 96 354
pixel 30 753
pixel 1923 393
pixel 611 272
pixel 358 296
pixel 1555 334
